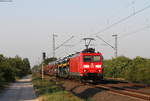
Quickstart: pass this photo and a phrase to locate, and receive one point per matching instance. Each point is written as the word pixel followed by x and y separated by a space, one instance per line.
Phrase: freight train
pixel 86 65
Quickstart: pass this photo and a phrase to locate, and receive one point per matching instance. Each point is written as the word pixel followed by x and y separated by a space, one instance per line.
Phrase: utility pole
pixel 116 43
pixel 113 47
pixel 42 71
pixel 54 35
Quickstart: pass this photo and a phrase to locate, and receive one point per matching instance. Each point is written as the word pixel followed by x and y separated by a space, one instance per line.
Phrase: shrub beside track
pixel 135 70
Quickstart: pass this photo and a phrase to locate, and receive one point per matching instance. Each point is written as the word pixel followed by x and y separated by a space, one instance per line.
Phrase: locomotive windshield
pixel 91 58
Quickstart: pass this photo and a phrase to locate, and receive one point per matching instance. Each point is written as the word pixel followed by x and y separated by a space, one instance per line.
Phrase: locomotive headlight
pixel 98 66
pixel 85 70
pixel 99 70
pixel 86 66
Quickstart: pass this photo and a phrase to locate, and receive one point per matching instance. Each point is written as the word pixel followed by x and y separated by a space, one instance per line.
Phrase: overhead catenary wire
pixel 72 45
pixel 60 54
pixel 105 41
pixel 134 32
pixel 131 33
pixel 122 20
pixel 64 42
pixel 116 23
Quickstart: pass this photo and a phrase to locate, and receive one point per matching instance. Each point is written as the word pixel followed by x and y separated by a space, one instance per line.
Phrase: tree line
pixel 12 68
pixel 135 70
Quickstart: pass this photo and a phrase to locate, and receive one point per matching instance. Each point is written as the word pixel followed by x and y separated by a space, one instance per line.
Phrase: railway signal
pixel 44 56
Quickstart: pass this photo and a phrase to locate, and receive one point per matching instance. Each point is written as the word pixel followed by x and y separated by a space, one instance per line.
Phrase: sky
pixel 27 26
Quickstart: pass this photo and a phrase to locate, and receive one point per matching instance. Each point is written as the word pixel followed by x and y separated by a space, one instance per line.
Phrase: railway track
pixel 125 91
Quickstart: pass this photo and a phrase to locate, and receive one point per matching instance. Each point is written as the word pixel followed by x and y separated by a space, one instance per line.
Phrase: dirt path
pixel 21 90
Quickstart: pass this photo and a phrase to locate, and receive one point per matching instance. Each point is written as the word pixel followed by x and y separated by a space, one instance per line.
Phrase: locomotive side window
pixel 96 58
pixel 87 58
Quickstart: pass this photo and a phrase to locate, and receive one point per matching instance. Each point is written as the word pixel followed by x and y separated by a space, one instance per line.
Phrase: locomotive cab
pixel 91 66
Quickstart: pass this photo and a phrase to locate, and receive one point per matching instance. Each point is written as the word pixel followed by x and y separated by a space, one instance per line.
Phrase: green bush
pixel 10 68
pixel 116 66
pixel 139 70
pixel 135 70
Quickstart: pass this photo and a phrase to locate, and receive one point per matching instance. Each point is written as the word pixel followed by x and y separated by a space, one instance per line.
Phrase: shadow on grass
pixel 87 94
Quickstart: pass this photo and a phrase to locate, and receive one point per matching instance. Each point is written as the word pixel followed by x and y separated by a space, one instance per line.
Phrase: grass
pixel 49 91
pixel 60 96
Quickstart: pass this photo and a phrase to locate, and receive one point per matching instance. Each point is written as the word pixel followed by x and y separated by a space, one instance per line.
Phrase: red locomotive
pixel 87 65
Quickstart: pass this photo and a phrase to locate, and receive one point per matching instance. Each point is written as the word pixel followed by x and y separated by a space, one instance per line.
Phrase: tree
pixel 6 71
pixel 27 67
pixel 10 68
